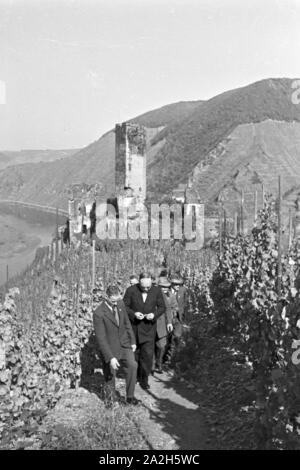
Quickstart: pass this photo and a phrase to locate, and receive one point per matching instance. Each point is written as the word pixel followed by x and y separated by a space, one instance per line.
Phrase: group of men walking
pixel 141 331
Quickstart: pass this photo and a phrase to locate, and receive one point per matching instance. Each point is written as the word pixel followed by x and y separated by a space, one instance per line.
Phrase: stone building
pixel 130 163
pixel 82 199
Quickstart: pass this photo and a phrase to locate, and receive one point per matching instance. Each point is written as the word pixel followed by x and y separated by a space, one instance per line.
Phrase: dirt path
pixel 168 417
pixel 172 419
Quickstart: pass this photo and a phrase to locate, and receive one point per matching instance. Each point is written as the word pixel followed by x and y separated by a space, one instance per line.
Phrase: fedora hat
pixel 164 282
pixel 176 280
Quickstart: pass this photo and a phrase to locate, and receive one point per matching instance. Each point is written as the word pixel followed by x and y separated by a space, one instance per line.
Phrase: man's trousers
pixel 129 365
pixel 144 357
pixel 160 347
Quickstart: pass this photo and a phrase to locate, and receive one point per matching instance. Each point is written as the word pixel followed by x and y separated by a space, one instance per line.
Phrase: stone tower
pixel 130 163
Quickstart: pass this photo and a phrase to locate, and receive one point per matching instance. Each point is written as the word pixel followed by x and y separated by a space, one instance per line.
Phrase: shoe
pixel 132 401
pixel 159 370
pixel 144 385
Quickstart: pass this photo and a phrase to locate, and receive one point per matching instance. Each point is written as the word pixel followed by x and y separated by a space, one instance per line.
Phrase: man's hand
pixel 114 364
pixel 139 315
pixel 133 347
pixel 149 316
pixel 170 327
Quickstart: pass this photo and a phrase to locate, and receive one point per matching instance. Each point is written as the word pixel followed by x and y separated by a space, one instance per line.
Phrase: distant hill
pixel 167 115
pixel 236 140
pixel 48 183
pixel 4 160
pixel 9 157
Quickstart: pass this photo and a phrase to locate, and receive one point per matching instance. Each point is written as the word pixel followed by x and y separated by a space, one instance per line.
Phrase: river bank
pixel 19 240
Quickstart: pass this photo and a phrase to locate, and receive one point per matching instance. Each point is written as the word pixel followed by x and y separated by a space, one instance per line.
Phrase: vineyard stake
pixel 52 254
pixel 255 207
pixel 132 257
pixel 242 213
pixel 220 231
pixel 290 228
pixel 93 263
pixel 225 226
pixel 279 272
pixel 56 239
pixel 235 227
pixel 81 232
pixel 61 242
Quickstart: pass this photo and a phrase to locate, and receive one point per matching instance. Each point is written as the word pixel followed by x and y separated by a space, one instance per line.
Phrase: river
pixel 19 240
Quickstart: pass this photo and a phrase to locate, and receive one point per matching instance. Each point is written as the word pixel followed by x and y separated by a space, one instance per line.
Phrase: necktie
pixel 116 314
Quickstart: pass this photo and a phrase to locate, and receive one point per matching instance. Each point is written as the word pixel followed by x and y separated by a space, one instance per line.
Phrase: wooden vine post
pixel 220 231
pixel 279 270
pixel 242 213
pixel 56 239
pixel 225 226
pixel 290 228
pixel 255 208
pixel 235 226
pixel 132 257
pixel 93 264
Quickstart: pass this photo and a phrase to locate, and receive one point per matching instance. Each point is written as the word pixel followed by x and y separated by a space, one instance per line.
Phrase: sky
pixel 71 69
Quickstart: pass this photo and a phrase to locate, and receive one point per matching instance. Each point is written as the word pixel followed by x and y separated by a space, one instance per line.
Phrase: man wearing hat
pixel 180 293
pixel 116 342
pixel 164 324
pixel 133 279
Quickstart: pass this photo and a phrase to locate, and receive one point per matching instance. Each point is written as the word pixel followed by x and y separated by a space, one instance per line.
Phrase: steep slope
pixel 167 115
pixel 234 139
pixel 188 142
pixel 9 157
pixel 252 154
pixel 48 183
pixel 4 160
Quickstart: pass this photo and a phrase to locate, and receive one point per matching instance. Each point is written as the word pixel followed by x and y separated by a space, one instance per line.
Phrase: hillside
pixel 9 157
pixel 48 183
pixel 220 145
pixel 252 154
pixel 167 115
pixel 189 141
pixel 4 160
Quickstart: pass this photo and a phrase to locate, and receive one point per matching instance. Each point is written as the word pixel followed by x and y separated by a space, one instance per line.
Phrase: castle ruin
pixel 130 162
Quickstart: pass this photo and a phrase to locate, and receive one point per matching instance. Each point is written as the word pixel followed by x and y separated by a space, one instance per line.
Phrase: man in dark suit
pixel 164 323
pixel 144 304
pixel 180 293
pixel 116 342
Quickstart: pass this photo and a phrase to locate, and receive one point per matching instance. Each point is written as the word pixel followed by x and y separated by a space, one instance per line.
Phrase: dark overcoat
pixel 111 337
pixel 145 330
pixel 182 300
pixel 167 317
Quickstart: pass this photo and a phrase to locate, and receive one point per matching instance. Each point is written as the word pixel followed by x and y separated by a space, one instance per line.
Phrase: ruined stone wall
pixel 82 200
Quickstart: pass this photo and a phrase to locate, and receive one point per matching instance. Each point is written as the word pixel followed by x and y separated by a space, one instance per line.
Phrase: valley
pixel 19 240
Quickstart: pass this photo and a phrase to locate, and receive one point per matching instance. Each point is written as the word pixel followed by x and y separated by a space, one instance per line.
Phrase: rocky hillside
pixel 190 141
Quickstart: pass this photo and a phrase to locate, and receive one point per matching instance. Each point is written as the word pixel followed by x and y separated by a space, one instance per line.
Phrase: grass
pixel 114 429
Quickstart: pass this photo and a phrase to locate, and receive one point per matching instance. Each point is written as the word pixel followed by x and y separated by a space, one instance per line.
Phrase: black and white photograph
pixel 149 228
